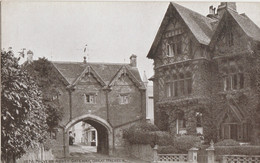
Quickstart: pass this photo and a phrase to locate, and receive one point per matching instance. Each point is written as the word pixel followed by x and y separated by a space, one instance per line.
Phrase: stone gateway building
pixel 206 73
pixel 108 96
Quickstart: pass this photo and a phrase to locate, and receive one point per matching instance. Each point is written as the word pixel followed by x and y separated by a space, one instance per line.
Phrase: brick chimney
pixel 133 60
pixel 226 5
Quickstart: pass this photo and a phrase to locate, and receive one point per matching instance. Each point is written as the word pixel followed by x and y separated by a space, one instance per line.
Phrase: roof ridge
pixel 194 12
pixel 107 63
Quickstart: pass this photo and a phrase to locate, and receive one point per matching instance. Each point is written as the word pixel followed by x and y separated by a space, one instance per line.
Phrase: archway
pixel 103 128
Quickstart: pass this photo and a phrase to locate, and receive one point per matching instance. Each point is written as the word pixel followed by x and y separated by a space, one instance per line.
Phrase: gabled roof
pixel 200 26
pixel 125 69
pixel 71 71
pixel 247 25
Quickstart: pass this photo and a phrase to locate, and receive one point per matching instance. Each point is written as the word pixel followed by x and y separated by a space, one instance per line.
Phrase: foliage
pixel 168 150
pixel 237 150
pixel 41 70
pixel 227 142
pixel 147 133
pixel 162 138
pixel 23 116
pixel 185 142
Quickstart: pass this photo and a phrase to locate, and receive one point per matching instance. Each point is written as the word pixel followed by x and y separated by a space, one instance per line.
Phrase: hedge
pixel 227 142
pixel 181 145
pixel 147 133
pixel 237 150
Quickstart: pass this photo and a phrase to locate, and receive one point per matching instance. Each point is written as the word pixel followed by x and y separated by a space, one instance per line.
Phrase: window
pixel 182 123
pixel 188 82
pixel 181 84
pixel 170 50
pixel 199 119
pixel 175 86
pixel 174 46
pixel 90 98
pixel 233 80
pixel 178 85
pixel 124 99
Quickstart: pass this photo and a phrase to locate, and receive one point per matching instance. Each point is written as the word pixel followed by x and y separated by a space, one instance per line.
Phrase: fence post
pixel 193 155
pixel 155 153
pixel 210 150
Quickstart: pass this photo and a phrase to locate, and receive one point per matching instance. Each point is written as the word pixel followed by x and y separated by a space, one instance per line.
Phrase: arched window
pixel 188 81
pixel 181 84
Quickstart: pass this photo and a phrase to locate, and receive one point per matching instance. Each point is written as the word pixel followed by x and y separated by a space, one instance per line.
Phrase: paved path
pixel 82 153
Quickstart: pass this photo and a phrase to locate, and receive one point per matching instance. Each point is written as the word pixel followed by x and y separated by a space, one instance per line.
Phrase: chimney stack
pixel 85 59
pixel 30 56
pixel 212 13
pixel 133 60
pixel 224 6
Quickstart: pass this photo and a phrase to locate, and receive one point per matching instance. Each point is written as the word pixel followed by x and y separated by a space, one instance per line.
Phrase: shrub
pixel 236 150
pixel 147 133
pixel 141 133
pixel 227 142
pixel 162 138
pixel 185 142
pixel 168 150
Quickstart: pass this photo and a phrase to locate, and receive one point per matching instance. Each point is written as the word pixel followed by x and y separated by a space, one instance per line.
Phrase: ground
pixel 83 153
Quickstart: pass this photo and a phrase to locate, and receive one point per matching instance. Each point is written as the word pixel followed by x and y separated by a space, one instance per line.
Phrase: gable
pixel 125 77
pixel 233 28
pixel 199 26
pixel 89 76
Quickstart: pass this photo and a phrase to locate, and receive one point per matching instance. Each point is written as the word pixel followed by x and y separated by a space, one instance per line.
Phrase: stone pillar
pixel 210 150
pixel 155 154
pixel 193 155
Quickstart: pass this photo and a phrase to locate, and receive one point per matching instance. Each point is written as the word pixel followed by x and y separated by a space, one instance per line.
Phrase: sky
pixel 112 31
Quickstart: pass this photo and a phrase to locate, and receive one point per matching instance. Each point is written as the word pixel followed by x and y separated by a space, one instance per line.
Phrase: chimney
pixel 133 60
pixel 145 80
pixel 226 5
pixel 85 59
pixel 212 13
pixel 30 56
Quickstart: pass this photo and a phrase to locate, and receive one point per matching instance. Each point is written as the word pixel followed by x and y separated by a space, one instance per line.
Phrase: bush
pixel 141 133
pixel 185 142
pixel 147 133
pixel 227 142
pixel 168 150
pixel 162 138
pixel 237 150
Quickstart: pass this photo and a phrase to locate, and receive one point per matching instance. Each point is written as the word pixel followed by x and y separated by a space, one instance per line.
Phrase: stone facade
pixel 107 96
pixel 204 73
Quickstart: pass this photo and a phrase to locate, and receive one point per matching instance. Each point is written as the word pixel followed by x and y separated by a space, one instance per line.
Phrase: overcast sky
pixel 113 31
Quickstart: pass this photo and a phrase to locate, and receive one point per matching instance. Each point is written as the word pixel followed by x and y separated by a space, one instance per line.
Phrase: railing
pixel 172 157
pixel 240 159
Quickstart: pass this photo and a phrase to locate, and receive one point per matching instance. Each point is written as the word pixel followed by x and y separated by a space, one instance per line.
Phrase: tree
pixel 46 77
pixel 23 114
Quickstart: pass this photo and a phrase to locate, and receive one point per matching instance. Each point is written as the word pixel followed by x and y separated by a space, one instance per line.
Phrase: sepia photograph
pixel 130 81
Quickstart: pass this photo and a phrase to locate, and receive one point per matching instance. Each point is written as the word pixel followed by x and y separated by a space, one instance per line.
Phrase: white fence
pixel 172 158
pixel 240 159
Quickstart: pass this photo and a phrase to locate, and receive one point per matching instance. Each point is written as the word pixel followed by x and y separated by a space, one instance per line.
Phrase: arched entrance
pixel 104 133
